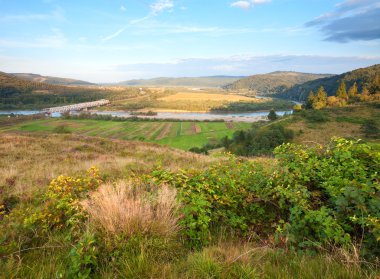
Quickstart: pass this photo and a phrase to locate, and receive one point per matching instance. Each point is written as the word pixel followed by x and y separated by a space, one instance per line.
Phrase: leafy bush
pixel 62 208
pixel 83 257
pixel 314 197
pixel 314 116
pixel 258 141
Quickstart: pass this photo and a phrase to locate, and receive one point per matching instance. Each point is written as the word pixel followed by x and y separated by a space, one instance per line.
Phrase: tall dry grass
pixel 123 209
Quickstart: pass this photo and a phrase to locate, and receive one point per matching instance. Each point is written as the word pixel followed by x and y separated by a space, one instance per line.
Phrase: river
pixel 190 116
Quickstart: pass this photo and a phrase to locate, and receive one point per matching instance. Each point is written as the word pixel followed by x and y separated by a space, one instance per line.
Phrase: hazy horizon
pixel 114 41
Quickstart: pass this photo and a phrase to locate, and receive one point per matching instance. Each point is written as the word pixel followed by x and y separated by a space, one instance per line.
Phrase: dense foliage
pixel 315 197
pixel 272 83
pixel 257 141
pixel 365 78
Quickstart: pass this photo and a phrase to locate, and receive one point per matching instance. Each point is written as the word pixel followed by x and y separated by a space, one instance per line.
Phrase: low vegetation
pixel 234 218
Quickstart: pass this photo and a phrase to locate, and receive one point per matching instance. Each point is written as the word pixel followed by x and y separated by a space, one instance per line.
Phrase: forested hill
pixel 272 83
pixel 17 93
pixel 52 80
pixel 364 77
pixel 211 81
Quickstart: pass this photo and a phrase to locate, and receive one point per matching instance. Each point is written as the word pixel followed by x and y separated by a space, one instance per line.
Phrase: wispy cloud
pixel 123 8
pixel 248 65
pixel 114 35
pixel 57 14
pixel 351 20
pixel 54 40
pixel 247 4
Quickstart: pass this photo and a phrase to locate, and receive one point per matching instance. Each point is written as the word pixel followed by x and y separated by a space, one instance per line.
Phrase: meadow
pixel 183 135
pixel 183 100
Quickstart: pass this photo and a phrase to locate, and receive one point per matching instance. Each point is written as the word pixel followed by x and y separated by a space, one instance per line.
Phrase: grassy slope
pixel 52 80
pixel 31 161
pixel 342 122
pixel 272 83
pixel 152 131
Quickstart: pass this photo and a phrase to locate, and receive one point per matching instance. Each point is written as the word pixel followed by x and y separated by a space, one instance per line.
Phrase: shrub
pixel 370 129
pixel 61 208
pixel 272 115
pixel 83 257
pixel 315 116
pixel 62 129
pixel 122 209
pixel 332 194
pixel 315 197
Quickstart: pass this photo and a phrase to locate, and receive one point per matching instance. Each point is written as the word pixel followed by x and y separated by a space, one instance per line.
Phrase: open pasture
pixel 183 135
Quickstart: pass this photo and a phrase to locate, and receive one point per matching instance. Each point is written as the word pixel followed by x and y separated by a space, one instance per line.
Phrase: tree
pixel 272 115
pixel 353 91
pixel 365 94
pixel 321 99
pixel 310 100
pixel 342 92
pixel 297 107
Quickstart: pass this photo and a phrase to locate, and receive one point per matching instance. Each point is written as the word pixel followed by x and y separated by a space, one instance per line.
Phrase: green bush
pixel 314 116
pixel 315 197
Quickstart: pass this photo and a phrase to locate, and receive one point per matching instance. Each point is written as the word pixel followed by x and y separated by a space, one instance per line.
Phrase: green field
pixel 182 135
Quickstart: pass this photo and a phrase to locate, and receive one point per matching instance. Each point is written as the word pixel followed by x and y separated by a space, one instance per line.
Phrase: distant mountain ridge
pixel 51 80
pixel 273 83
pixel 207 81
pixel 368 77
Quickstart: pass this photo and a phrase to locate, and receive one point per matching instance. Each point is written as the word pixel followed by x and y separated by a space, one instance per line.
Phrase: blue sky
pixel 115 40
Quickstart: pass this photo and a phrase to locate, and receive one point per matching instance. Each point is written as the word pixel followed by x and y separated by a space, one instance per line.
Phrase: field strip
pixel 153 128
pixel 110 131
pixel 186 129
pixel 195 128
pixel 165 131
pixel 179 129
pixel 156 132
pixel 143 127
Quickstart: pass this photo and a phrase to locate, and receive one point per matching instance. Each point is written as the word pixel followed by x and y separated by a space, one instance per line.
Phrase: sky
pixel 117 40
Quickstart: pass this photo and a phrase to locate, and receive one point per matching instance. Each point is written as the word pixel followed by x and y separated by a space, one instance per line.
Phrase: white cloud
pixel 160 6
pixel 241 4
pixel 249 4
pixel 113 35
pixel 123 8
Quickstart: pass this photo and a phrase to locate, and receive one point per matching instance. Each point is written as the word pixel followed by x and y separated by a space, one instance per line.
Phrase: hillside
pixel 272 83
pixel 52 80
pixel 211 81
pixel 17 93
pixel 363 77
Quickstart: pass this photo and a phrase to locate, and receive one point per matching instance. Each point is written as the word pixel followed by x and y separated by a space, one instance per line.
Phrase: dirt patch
pixel 165 131
pixel 230 125
pixel 195 129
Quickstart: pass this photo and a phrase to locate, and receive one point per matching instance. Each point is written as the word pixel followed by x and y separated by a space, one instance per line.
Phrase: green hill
pixel 363 77
pixel 272 83
pixel 211 81
pixel 52 80
pixel 18 93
